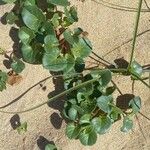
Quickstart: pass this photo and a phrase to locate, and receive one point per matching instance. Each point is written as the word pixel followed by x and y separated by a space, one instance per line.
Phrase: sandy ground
pixel 110 31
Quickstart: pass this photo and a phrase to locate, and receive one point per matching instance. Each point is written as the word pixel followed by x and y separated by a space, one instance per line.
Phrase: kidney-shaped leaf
pixel 136 69
pixel 72 131
pixel 127 124
pixel 103 103
pixel 81 49
pixel 50 42
pixel 101 124
pixel 88 136
pixel 135 103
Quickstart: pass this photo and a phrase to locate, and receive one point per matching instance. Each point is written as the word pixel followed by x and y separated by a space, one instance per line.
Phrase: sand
pixel 110 31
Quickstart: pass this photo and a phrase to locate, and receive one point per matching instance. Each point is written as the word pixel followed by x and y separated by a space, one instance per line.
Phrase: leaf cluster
pixel 91 110
pixel 45 35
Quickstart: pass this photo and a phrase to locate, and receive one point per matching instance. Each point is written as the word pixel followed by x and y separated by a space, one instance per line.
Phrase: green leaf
pixel 135 103
pixel 22 128
pixel 85 119
pixel 72 114
pixel 55 20
pixel 80 97
pixel 81 49
pixel 136 69
pixel 69 64
pixel 11 18
pixel 32 54
pixel 72 131
pixel 88 136
pixel 58 64
pixel 110 90
pixel 127 124
pixel 9 1
pixel 29 2
pixel 48 28
pixel 78 31
pixel 26 35
pixel 101 124
pixel 79 109
pixel 105 76
pixel 115 113
pixel 50 147
pixel 32 17
pixel 88 105
pixel 59 2
pixel 50 42
pixel 103 103
pixel 73 12
pixel 71 15
pixel 3 79
pixel 17 65
pixel 68 36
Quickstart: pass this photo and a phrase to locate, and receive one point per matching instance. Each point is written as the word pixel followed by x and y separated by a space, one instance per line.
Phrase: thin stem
pixel 104 64
pixel 117 87
pixel 146 4
pixel 141 80
pixel 135 32
pixel 101 58
pixel 53 98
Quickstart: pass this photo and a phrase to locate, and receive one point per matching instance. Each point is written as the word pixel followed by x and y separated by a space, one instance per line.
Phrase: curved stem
pixel 53 98
pixel 135 32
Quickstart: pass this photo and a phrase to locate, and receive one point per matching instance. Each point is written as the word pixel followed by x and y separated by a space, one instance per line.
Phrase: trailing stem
pixel 135 32
pixel 53 98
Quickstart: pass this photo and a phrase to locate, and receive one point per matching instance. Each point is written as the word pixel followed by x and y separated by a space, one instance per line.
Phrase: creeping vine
pixel 47 39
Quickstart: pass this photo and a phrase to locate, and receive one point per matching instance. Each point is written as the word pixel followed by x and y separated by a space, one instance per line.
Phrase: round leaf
pixel 127 124
pixel 81 49
pixel 32 17
pixel 135 103
pixel 72 131
pixel 103 103
pixel 136 69
pixel 33 54
pixel 88 136
pixel 50 42
pixel 101 124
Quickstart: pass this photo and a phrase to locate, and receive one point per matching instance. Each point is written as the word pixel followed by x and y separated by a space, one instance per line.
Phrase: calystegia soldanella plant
pixel 47 39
